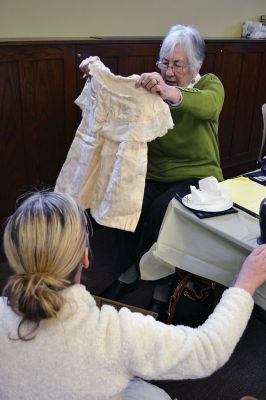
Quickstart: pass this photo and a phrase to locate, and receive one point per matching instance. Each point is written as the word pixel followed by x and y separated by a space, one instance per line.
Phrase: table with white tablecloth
pixel 214 248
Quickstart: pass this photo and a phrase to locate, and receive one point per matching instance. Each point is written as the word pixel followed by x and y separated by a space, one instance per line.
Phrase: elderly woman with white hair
pixel 188 152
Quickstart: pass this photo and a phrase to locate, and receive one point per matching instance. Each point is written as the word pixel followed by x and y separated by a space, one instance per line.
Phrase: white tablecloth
pixel 214 248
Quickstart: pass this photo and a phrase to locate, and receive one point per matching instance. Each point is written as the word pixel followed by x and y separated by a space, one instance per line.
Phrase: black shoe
pixel 118 289
pixel 126 282
pixel 161 293
pixel 160 299
pixel 156 306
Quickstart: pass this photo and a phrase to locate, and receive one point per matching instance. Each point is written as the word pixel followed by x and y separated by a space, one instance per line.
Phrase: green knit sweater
pixel 191 148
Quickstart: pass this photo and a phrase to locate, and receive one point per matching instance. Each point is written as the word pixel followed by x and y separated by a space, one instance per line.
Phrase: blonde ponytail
pixel 44 241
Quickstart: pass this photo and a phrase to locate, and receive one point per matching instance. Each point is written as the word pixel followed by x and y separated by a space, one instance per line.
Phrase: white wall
pixel 84 18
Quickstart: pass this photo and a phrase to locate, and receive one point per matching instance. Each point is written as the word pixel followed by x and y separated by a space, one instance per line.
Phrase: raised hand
pixel 253 271
pixel 85 64
pixel 154 83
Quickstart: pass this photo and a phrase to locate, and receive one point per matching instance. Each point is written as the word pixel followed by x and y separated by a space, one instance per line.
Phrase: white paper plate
pixel 186 200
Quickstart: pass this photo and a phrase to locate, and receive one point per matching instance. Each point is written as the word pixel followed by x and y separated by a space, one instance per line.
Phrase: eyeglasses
pixel 164 65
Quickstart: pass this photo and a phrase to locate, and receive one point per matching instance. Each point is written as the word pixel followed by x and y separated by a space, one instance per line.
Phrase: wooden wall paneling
pixel 241 63
pixel 260 99
pixel 139 59
pixel 136 64
pixel 230 75
pixel 37 91
pixel 212 61
pixel 49 112
pixel 248 88
pixel 13 171
pixel 70 91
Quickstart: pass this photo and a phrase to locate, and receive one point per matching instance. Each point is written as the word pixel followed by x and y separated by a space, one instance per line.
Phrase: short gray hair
pixel 189 39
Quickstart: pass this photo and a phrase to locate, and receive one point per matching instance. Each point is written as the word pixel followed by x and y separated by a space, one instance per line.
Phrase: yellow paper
pixel 246 193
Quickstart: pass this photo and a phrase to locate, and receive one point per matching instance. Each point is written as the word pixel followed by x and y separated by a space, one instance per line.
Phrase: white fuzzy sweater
pixel 90 354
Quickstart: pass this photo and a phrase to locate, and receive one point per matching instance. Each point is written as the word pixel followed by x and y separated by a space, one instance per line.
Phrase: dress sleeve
pixel 153 350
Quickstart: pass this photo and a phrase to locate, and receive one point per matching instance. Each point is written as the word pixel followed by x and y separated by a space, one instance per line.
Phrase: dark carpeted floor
pixel 244 374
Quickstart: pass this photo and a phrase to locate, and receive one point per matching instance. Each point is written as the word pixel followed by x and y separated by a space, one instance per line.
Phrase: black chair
pixel 262 152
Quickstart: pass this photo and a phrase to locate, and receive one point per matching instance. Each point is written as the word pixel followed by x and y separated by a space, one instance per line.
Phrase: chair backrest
pixel 262 152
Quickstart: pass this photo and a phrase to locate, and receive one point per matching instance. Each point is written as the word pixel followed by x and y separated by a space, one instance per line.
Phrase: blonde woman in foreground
pixel 57 344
